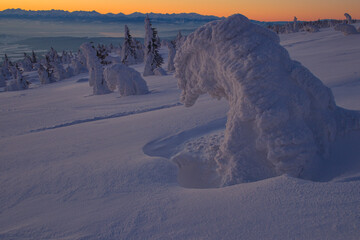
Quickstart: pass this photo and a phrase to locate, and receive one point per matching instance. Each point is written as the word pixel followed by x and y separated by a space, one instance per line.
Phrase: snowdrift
pixel 282 119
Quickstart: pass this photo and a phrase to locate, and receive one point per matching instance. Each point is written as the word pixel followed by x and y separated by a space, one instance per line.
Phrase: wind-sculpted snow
pixel 282 119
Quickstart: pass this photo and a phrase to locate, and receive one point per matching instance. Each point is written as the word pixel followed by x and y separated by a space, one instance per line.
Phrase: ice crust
pixel 282 118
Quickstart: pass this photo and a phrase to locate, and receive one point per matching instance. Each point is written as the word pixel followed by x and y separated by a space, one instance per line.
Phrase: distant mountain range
pixel 109 17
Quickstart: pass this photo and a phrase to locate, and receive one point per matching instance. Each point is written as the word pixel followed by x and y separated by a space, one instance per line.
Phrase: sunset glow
pixel 257 9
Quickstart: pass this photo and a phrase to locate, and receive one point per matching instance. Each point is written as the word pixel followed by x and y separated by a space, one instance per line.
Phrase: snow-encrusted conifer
pixel 26 63
pixel 128 51
pixel 18 83
pixel 5 68
pixel 153 59
pixel 78 63
pixel 33 57
pixel 295 25
pixel 282 119
pixel 53 55
pixel 348 18
pixel 127 80
pixel 95 68
pixel 45 76
pixel 148 36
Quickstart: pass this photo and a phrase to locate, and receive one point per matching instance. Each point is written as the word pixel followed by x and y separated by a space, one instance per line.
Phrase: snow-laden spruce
pixel 127 80
pixel 282 119
pixel 348 18
pixel 153 59
pixel 18 83
pixel 96 77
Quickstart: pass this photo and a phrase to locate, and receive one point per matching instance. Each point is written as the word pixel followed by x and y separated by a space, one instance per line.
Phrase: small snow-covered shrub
pixel 127 80
pixel 346 29
pixel 282 119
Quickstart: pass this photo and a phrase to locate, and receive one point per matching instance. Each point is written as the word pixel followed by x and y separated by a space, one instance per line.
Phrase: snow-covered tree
pixel 78 63
pixel 18 83
pixel 127 80
pixel 59 72
pixel 95 68
pixel 45 76
pixel 26 63
pixel 295 25
pixel 5 68
pixel 348 18
pixel 65 58
pixel 282 119
pixel 102 53
pixel 33 57
pixel 148 36
pixel 171 45
pixel 153 58
pixel 53 55
pixel 128 51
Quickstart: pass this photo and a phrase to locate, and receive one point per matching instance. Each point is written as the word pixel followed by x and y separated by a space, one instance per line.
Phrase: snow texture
pixel 127 80
pixel 282 118
pixel 346 29
pixel 96 78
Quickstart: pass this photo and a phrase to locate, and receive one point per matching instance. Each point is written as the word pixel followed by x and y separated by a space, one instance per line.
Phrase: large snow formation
pixel 127 80
pixel 282 118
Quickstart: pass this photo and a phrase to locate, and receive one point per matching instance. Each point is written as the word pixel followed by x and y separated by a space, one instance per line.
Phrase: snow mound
pixel 346 29
pixel 282 119
pixel 127 80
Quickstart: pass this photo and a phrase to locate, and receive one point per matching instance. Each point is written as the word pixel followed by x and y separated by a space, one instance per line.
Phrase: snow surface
pixel 74 165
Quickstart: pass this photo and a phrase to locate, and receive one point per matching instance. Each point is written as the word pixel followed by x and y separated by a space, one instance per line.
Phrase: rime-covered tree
pixel 5 68
pixel 152 56
pixel 53 55
pixel 44 75
pixel 96 69
pixel 33 57
pixel 128 51
pixel 127 80
pixel 348 18
pixel 18 83
pixel 78 63
pixel 102 53
pixel 26 63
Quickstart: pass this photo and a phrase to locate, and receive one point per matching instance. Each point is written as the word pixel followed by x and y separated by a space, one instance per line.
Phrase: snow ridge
pixel 282 118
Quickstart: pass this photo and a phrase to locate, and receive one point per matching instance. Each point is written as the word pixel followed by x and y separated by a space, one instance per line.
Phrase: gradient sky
pixel 254 9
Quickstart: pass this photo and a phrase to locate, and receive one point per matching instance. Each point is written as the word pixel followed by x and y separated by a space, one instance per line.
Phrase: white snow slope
pixel 79 166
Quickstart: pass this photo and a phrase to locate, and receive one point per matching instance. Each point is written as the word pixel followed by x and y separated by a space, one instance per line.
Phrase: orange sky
pixel 254 9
